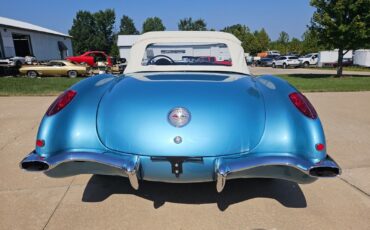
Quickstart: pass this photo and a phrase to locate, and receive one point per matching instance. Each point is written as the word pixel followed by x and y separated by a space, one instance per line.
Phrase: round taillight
pixel 61 102
pixel 320 147
pixel 40 143
pixel 303 105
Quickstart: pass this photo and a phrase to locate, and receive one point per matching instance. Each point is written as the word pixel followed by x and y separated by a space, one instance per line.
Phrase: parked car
pixel 211 61
pixel 177 122
pixel 13 62
pixel 292 54
pixel 91 58
pixel 54 68
pixel 273 52
pixel 267 61
pixel 268 53
pixel 286 61
pixel 309 59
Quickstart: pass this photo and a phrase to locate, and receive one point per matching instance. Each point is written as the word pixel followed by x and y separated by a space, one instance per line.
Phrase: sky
pixel 275 16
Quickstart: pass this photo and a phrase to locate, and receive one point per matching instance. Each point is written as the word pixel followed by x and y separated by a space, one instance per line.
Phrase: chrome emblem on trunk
pixel 179 117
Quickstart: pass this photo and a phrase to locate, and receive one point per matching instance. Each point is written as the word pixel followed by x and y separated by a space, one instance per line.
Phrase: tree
pixel 295 45
pixel 187 24
pixel 282 42
pixel 127 26
pixel 104 21
pixel 310 42
pixel 342 24
pixel 92 31
pixel 263 39
pixel 249 41
pixel 82 32
pixel 283 38
pixel 114 50
pixel 153 24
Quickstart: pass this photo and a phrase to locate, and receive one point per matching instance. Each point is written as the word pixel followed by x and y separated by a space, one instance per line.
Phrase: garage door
pixel 22 45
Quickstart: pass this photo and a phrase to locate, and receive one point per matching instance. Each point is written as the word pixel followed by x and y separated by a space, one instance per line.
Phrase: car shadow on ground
pixel 286 193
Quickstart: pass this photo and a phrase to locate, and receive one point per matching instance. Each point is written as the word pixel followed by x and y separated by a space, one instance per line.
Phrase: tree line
pixel 336 24
pixel 95 31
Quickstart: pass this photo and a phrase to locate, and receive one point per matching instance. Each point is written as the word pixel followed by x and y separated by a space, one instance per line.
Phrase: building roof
pixel 127 40
pixel 236 51
pixel 28 26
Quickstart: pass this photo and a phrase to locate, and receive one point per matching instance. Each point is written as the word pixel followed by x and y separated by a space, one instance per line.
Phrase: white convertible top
pixel 239 64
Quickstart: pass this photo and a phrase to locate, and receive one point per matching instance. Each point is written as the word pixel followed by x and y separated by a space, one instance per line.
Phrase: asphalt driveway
pixel 34 201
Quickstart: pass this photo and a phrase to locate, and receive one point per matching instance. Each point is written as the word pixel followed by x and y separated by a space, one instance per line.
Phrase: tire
pixel 72 74
pixel 285 66
pixel 18 64
pixel 273 65
pixel 32 74
pixel 306 65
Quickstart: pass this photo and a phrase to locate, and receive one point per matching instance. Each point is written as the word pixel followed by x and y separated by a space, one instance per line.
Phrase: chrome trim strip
pixel 226 166
pixel 129 165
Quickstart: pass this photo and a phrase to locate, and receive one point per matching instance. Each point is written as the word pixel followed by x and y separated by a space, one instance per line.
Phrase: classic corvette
pixel 54 68
pixel 174 121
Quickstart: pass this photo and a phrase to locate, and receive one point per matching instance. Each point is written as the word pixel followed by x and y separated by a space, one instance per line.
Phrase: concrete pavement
pixel 34 201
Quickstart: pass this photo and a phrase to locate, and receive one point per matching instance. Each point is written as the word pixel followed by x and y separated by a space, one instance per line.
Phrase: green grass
pixel 18 86
pixel 346 68
pixel 21 86
pixel 328 83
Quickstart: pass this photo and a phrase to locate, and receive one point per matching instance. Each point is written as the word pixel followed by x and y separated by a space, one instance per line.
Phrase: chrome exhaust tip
pixel 34 166
pixel 324 172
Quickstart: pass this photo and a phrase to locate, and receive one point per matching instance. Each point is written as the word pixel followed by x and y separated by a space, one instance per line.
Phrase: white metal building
pixel 22 39
pixel 124 44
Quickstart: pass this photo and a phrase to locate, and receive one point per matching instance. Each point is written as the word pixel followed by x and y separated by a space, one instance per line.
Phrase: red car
pixel 91 58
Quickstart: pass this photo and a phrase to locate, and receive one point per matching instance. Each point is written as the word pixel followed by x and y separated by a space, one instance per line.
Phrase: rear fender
pixel 74 127
pixel 287 130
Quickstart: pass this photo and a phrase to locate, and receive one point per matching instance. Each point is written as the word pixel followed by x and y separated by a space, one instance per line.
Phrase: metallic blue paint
pixel 250 119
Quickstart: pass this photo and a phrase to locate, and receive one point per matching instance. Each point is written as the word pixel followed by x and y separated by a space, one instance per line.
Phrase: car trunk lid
pixel 227 114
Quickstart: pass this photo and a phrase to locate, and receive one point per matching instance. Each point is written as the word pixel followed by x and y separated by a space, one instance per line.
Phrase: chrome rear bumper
pixel 224 168
pixel 227 166
pixel 128 165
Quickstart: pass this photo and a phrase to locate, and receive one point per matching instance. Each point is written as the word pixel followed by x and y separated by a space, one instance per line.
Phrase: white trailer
pixel 362 58
pixel 330 57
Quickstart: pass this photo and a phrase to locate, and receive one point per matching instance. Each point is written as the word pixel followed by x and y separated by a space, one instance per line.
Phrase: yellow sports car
pixel 54 68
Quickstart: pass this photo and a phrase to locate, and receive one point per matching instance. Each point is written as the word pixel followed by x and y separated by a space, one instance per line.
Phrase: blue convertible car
pixel 186 110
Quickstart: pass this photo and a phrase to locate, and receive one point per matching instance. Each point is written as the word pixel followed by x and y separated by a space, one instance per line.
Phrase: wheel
pixel 306 65
pixel 32 74
pixel 273 65
pixel 285 66
pixel 72 74
pixel 18 64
